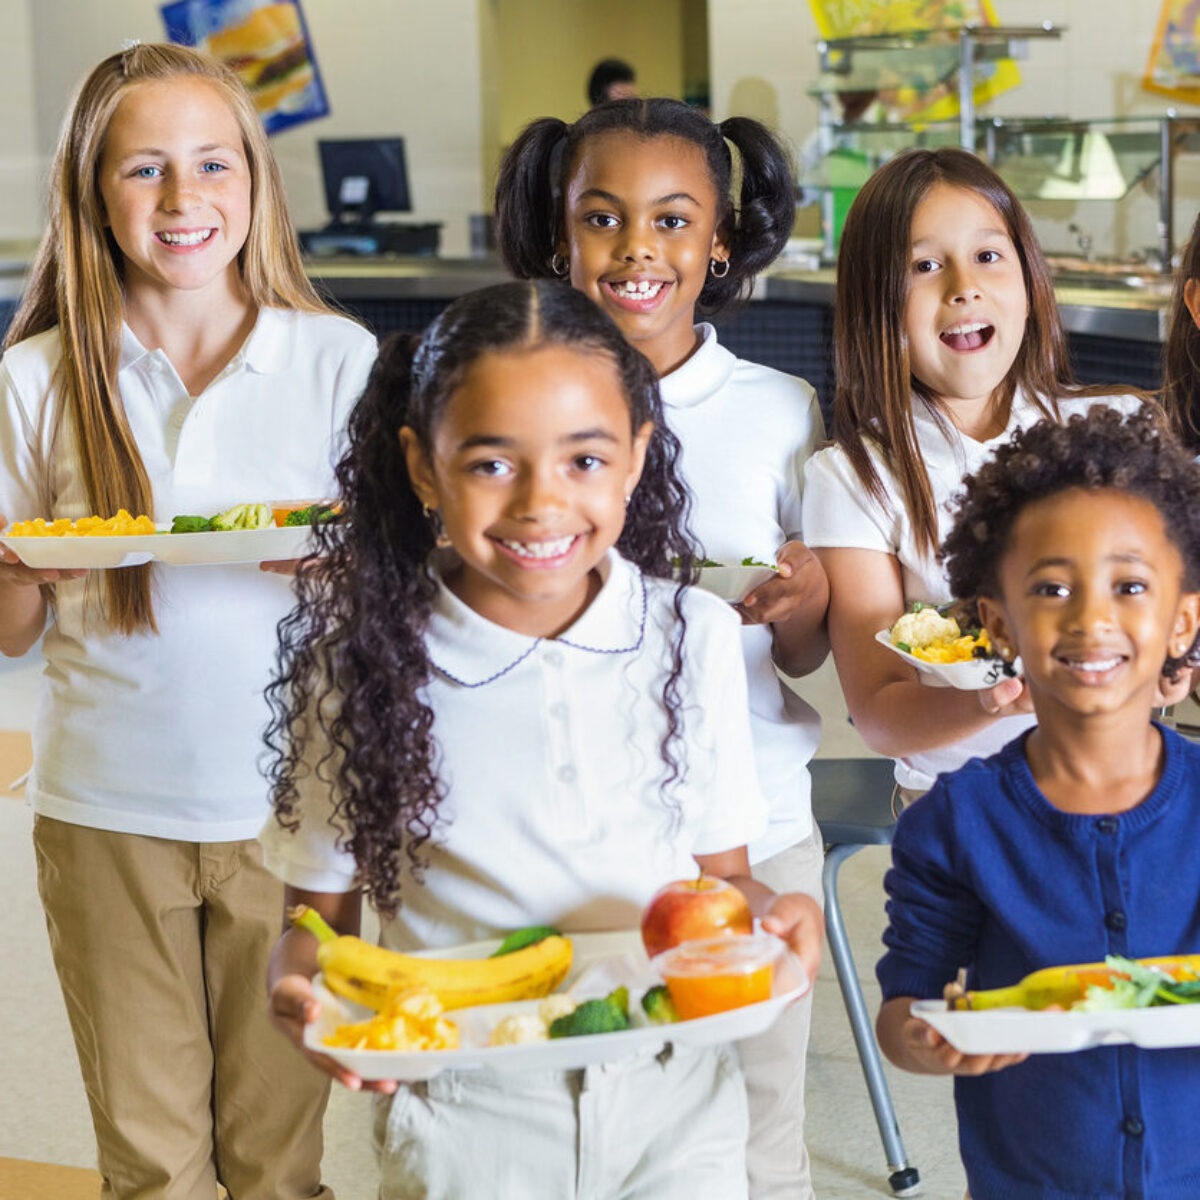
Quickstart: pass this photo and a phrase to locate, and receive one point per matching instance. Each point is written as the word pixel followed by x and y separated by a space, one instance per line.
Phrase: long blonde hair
pixel 75 283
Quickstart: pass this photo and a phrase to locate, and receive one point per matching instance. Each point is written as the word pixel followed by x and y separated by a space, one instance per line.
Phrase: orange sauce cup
pixel 717 974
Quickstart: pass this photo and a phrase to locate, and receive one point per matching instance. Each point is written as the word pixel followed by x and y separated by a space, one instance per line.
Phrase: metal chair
pixel 852 805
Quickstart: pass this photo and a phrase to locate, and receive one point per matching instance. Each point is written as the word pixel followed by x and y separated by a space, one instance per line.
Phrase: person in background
pixel 633 206
pixel 169 357
pixel 524 437
pixel 947 340
pixel 1080 543
pixel 611 79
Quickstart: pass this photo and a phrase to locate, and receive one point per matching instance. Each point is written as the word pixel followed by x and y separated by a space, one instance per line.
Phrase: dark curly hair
pixel 352 661
pixel 1103 449
pixel 533 180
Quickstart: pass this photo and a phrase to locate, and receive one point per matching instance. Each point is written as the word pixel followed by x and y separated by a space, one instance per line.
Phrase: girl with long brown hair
pixel 947 341
pixel 169 357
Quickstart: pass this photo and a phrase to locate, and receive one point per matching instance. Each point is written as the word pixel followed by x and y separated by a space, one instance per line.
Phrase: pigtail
pixel 352 660
pixel 757 231
pixel 529 199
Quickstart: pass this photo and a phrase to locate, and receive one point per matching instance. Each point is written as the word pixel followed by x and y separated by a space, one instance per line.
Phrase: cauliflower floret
pixel 555 1006
pixel 923 628
pixel 519 1029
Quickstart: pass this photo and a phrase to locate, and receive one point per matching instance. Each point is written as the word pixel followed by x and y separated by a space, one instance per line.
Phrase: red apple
pixel 693 908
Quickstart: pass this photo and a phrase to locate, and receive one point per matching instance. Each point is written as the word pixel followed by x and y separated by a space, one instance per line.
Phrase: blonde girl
pixel 168 357
pixel 947 341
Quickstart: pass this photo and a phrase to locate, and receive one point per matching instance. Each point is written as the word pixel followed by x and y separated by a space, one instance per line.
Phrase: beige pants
pixel 161 949
pixel 773 1063
pixel 666 1127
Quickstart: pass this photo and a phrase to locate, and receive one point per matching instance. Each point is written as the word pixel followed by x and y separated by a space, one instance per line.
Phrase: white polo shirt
pixel 550 753
pixel 746 432
pixel 839 512
pixel 162 734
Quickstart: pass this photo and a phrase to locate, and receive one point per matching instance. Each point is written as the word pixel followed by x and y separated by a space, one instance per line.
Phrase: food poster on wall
pixel 1173 68
pixel 854 18
pixel 266 43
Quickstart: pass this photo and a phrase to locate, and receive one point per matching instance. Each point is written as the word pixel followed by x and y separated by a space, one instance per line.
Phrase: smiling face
pixel 175 186
pixel 964 318
pixel 532 460
pixel 1092 600
pixel 640 226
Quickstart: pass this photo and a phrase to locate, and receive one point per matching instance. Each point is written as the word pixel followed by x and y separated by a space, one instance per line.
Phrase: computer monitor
pixel 364 176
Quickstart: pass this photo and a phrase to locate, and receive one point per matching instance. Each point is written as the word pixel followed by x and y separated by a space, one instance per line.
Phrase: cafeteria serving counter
pixel 1116 334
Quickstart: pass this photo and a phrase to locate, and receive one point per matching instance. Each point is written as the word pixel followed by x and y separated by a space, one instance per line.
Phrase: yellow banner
pixel 1173 68
pixel 847 18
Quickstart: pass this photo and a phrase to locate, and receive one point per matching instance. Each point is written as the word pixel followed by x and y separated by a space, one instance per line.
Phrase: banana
pixel 366 974
pixel 1063 985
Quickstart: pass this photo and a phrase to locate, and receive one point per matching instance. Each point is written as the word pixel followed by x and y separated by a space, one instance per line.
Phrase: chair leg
pixel 904 1179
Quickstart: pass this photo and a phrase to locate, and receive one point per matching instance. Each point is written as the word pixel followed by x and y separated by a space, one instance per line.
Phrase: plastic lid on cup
pixel 740 954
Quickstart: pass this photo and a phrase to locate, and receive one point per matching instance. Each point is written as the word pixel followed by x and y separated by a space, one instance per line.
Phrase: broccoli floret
pixel 314 514
pixel 658 1006
pixel 244 516
pixel 595 1016
pixel 191 525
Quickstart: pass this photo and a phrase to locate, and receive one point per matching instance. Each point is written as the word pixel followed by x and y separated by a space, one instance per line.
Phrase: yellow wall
pixel 547 49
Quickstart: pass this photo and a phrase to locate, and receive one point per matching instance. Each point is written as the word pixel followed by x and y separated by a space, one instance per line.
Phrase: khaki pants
pixel 161 949
pixel 774 1062
pixel 662 1127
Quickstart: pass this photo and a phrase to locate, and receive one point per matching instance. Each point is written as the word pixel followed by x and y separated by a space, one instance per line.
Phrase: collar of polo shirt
pixel 472 651
pixel 266 351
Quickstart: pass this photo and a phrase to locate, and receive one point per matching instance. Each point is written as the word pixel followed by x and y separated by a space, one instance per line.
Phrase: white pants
pixel 667 1127
pixel 773 1063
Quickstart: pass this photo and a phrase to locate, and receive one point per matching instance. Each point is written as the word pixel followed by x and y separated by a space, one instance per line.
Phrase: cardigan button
pixel 1107 824
pixel 1116 920
pixel 1133 1126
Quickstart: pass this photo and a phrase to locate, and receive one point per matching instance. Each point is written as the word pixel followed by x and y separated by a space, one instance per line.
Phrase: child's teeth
pixel 1105 664
pixel 960 329
pixel 551 549
pixel 186 239
pixel 639 288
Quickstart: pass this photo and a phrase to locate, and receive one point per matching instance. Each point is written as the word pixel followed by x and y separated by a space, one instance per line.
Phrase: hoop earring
pixel 559 265
pixel 712 267
pixel 435 524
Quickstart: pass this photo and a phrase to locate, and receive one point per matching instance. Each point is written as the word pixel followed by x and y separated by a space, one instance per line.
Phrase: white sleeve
pixel 351 383
pixel 734 811
pixel 791 514
pixel 309 857
pixel 839 512
pixel 20 458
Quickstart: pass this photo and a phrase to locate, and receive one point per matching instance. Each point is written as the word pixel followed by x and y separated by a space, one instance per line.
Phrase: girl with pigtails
pixel 496 708
pixel 634 206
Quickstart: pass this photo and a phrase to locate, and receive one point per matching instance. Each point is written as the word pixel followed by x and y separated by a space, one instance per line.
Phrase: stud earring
pixel 713 263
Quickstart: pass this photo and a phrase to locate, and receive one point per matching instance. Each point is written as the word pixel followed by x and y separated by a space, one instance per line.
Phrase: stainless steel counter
pixel 1123 313
pixel 1138 315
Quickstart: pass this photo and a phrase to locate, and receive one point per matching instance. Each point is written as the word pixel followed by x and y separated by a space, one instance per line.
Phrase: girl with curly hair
pixel 634 205
pixel 496 709
pixel 1081 544
pixel 948 341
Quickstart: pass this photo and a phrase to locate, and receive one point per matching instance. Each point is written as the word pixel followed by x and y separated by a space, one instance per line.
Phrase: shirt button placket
pixel 558 711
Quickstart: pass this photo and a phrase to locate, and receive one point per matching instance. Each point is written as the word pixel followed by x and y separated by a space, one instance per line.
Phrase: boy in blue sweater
pixel 1081 544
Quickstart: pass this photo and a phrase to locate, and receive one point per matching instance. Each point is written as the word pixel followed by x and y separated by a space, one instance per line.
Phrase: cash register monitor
pixel 364 176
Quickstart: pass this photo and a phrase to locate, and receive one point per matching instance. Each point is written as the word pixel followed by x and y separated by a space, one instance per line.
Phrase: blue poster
pixel 266 43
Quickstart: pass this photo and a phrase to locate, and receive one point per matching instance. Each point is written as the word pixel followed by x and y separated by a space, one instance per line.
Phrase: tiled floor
pixel 43 1112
